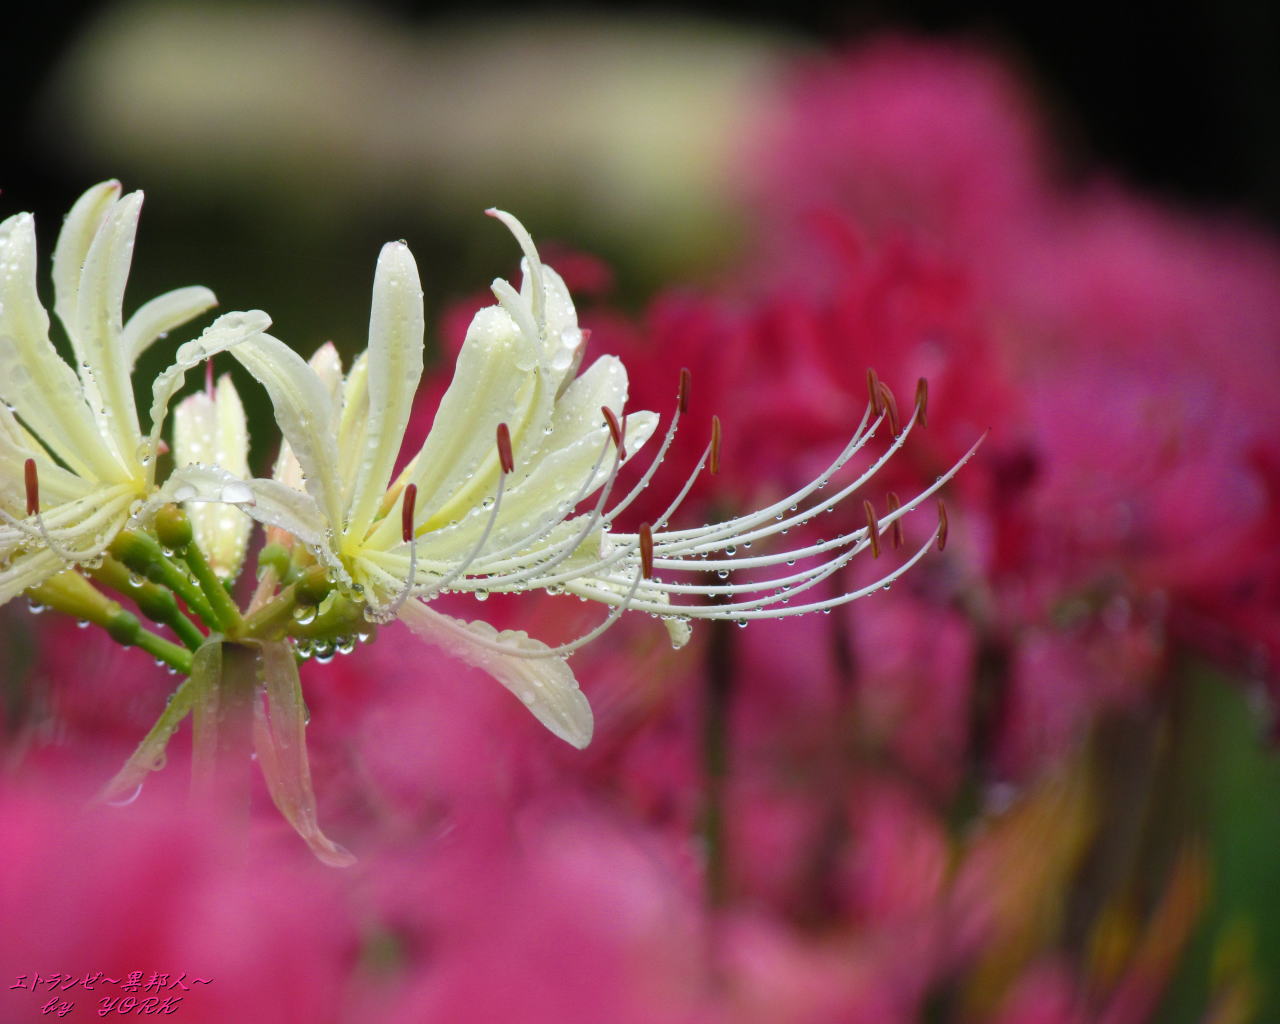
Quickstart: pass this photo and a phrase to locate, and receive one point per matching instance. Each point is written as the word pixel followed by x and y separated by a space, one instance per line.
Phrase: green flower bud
pixel 124 628
pixel 173 528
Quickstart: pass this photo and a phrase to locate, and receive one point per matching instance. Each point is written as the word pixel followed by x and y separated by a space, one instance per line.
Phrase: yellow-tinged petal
pixel 394 367
pixel 353 423
pixel 34 380
pixel 545 685
pixel 97 323
pixel 16 446
pixel 156 318
pixel 72 249
pixel 304 411
pixel 26 570
pixel 457 466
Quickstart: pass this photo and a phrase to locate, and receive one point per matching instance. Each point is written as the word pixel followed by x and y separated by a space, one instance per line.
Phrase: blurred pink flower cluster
pixel 856 817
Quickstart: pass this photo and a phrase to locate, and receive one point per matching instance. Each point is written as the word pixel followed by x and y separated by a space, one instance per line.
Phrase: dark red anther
pixel 615 431
pixel 942 525
pixel 406 511
pixel 894 505
pixel 686 379
pixel 922 402
pixel 505 456
pixel 646 551
pixel 873 529
pixel 890 406
pixel 208 378
pixel 33 486
pixel 873 389
pixel 715 445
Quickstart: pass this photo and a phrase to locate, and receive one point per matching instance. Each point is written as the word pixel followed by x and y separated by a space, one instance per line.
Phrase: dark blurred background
pixel 1181 98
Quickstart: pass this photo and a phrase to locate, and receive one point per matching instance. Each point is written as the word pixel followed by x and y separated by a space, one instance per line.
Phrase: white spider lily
pixel 517 368
pixel 75 465
pixel 467 514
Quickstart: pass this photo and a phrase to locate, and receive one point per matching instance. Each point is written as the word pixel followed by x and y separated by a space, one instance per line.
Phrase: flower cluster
pixel 950 804
pixel 516 488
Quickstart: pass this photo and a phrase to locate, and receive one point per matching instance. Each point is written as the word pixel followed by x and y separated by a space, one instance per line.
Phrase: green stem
pixel 143 555
pixel 173 655
pixel 153 600
pixel 223 608
pixel 72 594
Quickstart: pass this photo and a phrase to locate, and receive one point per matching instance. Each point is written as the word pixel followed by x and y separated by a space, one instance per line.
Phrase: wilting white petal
pixel 396 326
pixel 545 685
pixel 279 733
pixel 164 313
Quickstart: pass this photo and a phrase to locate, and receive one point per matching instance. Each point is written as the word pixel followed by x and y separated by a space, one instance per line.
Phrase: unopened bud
pixel 173 528
pixel 124 628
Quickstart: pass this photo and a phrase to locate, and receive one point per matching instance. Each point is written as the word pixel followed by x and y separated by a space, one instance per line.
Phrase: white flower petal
pixel 228 331
pixel 304 411
pixel 97 325
pixel 27 570
pixel 164 313
pixel 457 467
pixel 56 484
pixel 43 390
pixel 544 685
pixel 396 326
pixel 72 249
pixel 353 424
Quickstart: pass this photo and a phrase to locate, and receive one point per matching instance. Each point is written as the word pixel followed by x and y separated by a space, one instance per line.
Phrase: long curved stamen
pixel 663 553
pixel 682 406
pixel 503 440
pixel 733 527
pixel 711 539
pixel 628 547
pixel 461 568
pixel 750 611
pixel 511 554
pixel 560 551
